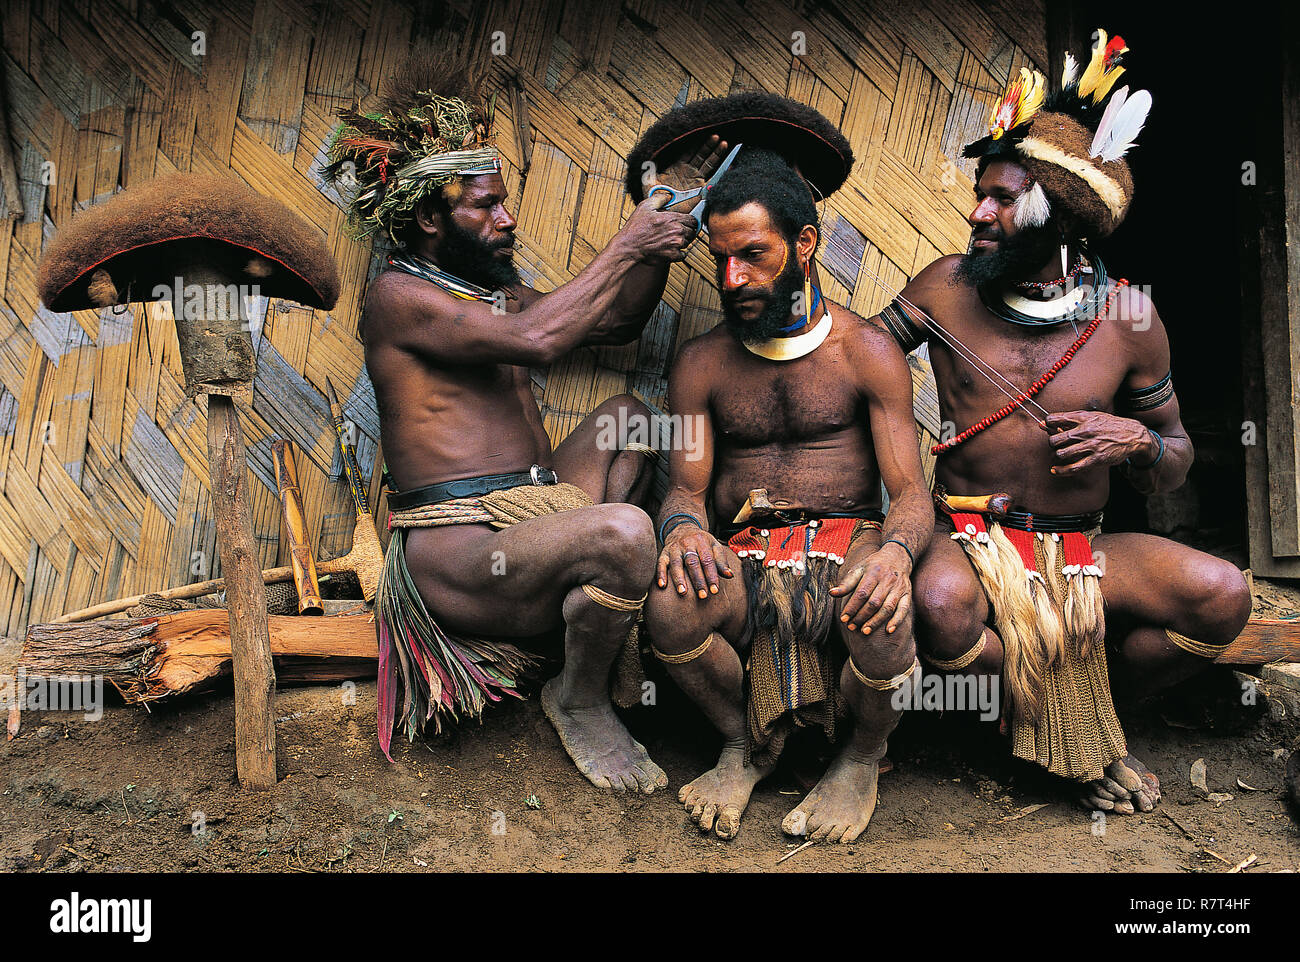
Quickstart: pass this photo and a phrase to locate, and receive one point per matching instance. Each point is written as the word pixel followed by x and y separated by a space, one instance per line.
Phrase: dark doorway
pixel 1183 236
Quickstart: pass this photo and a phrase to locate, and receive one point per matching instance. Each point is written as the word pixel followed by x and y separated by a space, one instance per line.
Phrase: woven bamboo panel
pixel 103 471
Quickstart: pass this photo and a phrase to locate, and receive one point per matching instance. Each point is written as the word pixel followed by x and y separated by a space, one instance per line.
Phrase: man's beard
pixel 471 259
pixel 778 300
pixel 1017 257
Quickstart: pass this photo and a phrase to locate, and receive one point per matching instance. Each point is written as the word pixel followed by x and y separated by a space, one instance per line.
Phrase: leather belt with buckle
pixel 469 488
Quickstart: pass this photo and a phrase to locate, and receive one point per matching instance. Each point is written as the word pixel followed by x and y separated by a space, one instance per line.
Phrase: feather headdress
pixel 427 131
pixel 1103 69
pixel 1072 141
pixel 1018 104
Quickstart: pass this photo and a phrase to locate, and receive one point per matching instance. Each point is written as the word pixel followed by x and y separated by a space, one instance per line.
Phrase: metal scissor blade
pixel 698 210
pixel 723 167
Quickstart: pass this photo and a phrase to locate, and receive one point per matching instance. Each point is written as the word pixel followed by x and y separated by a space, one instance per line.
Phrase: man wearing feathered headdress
pixel 1051 373
pixel 494 534
pixel 782 597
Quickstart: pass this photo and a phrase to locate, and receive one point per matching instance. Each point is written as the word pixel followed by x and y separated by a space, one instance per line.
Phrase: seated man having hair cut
pixel 804 408
pixel 1055 373
pixel 494 533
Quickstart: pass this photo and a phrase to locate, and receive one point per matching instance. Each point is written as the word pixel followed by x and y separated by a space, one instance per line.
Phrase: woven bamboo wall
pixel 103 474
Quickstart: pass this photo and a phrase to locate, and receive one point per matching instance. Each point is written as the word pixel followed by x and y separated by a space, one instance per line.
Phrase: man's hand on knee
pixel 695 556
pixel 877 592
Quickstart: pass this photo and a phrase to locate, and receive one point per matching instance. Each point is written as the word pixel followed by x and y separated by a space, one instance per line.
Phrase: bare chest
pixel 1025 359
pixel 786 403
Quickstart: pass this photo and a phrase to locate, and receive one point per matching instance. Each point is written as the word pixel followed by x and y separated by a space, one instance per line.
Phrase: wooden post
pixel 250 642
pixel 1270 289
pixel 9 185
pixel 519 103
pixel 216 364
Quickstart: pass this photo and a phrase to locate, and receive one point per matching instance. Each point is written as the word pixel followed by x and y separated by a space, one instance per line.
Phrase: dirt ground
pixel 138 791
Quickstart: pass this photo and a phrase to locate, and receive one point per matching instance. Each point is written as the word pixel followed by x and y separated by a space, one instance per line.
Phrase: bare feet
pixel 839 807
pixel 1127 786
pixel 601 747
pixel 717 799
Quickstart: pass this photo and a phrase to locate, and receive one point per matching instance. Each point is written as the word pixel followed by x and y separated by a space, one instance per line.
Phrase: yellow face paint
pixel 785 256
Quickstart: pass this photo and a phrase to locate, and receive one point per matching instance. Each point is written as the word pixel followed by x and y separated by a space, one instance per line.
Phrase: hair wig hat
pixel 1073 142
pixel 806 139
pixel 143 237
pixel 428 131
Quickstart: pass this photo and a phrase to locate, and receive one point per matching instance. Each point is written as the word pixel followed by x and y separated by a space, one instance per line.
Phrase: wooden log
pixel 245 598
pixel 1264 640
pixel 147 659
pixel 198 589
pixel 295 523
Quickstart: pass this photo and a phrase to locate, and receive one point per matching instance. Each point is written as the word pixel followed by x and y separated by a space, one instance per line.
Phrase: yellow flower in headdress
pixel 1018 104
pixel 1104 67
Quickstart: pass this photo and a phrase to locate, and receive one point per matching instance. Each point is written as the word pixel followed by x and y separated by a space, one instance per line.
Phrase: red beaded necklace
pixel 1059 282
pixel 1038 385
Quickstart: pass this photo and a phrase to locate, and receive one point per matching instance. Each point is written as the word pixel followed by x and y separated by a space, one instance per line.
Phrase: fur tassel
pixel 1083 606
pixel 1018 604
pixel 1050 548
pixel 1032 208
pixel 1051 630
pixel 1000 569
pixel 1085 613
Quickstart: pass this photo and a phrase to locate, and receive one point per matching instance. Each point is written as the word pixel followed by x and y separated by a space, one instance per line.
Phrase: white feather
pixel 1124 127
pixel 1103 129
pixel 1071 71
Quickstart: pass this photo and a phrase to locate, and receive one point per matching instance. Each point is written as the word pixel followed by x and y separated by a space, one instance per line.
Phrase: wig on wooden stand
pixel 205 243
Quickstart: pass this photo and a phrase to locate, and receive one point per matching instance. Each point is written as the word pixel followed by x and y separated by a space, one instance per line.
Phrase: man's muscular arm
pixel 902 316
pixel 1088 439
pixel 879 592
pixel 689 555
pixel 425 320
pixel 643 285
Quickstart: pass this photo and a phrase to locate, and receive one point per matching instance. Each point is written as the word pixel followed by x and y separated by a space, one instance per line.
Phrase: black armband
pixel 907 334
pixel 1147 398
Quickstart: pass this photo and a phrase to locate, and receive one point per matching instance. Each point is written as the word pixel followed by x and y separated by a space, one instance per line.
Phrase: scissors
pixel 677 196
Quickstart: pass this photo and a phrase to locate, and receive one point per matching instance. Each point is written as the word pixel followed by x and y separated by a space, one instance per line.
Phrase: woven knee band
pixel 961 661
pixel 613 602
pixel 684 657
pixel 888 684
pixel 639 448
pixel 1194 647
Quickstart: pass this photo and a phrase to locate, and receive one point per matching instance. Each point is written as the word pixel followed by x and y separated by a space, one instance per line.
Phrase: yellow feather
pixel 1107 82
pixel 1092 76
pixel 1033 98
